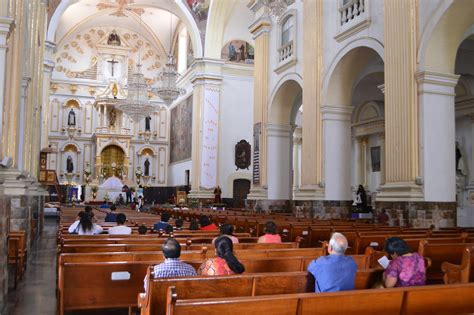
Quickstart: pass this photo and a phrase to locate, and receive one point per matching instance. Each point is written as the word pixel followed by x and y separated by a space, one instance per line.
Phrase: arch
pixel 219 13
pixel 443 35
pixel 346 67
pixel 146 150
pixel 70 147
pixel 179 10
pixel 282 100
pixel 116 144
pixel 368 112
pixel 72 102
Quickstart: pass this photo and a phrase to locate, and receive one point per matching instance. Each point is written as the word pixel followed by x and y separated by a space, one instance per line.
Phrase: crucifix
pixel 112 63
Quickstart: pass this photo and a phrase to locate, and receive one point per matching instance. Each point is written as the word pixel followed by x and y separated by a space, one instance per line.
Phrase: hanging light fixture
pixel 137 105
pixel 276 7
pixel 167 89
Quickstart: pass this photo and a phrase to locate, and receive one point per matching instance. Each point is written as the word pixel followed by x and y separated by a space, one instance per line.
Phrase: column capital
pixel 261 26
pixel 436 83
pixel 6 25
pixel 336 112
pixel 206 71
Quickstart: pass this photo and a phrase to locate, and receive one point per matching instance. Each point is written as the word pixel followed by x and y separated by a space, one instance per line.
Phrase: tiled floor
pixel 36 293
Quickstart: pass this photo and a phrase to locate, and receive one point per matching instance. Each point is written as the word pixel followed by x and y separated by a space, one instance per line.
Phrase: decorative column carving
pixel 297 142
pixel 21 125
pixel 260 30
pixel 363 159
pixel 48 68
pixel 312 148
pixel 401 112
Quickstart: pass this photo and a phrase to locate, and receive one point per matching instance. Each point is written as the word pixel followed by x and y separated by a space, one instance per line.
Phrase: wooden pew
pixel 439 253
pixel 463 273
pixel 436 300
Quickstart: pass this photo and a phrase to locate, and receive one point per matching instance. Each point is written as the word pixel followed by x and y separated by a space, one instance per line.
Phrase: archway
pixel 285 106
pixel 348 124
pixel 112 158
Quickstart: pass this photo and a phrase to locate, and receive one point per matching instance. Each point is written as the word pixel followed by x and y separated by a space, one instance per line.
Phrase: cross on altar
pixel 112 63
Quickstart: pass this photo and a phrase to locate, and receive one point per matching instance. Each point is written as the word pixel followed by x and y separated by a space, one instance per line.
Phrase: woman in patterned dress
pixel 225 263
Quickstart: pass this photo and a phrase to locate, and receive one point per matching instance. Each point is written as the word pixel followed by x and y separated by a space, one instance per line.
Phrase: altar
pixel 112 187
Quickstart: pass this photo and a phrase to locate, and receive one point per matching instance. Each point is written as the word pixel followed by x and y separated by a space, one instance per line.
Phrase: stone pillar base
pixel 400 192
pixel 308 193
pixel 322 209
pixel 419 214
pixel 258 193
pixel 4 230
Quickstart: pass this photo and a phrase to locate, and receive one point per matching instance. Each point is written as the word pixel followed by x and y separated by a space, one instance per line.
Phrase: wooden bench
pixel 17 253
pixel 463 273
pixel 436 299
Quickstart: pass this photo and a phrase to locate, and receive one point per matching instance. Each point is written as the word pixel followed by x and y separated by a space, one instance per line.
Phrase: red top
pixel 214 267
pixel 210 227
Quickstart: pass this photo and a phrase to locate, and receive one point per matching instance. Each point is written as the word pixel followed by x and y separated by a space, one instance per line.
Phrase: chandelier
pixel 276 7
pixel 137 104
pixel 168 91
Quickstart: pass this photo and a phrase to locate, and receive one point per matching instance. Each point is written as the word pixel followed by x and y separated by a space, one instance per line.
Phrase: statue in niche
pixel 69 164
pixel 114 39
pixel 112 117
pixel 460 164
pixel 71 118
pixel 147 123
pixel 147 167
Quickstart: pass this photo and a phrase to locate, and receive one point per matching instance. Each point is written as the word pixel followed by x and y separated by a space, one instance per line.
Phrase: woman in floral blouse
pixel 225 263
pixel 406 268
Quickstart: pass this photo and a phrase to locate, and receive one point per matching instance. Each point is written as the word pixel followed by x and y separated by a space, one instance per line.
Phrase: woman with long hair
pixel 225 263
pixel 85 226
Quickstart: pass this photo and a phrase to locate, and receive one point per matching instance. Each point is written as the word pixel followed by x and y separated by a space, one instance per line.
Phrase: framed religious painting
pixel 242 155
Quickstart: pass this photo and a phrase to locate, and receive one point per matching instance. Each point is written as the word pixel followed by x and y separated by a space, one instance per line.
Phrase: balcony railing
pixel 351 10
pixel 285 52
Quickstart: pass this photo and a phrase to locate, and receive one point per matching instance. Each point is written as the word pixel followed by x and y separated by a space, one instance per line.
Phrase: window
pixel 286 30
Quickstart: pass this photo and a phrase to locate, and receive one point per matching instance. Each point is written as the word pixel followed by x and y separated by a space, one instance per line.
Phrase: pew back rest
pixel 439 253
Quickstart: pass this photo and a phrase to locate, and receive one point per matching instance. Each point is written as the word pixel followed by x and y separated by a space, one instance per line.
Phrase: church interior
pixel 352 116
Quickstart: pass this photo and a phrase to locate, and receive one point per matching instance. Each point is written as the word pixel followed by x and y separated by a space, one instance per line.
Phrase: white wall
pixel 237 25
pixel 235 124
pixel 177 175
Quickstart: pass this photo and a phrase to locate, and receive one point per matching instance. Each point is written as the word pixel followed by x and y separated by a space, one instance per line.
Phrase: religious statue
pixel 242 155
pixel 69 164
pixel 232 52
pixel 114 39
pixel 112 117
pixel 71 118
pixel 147 167
pixel 147 123
pixel 217 195
pixel 460 164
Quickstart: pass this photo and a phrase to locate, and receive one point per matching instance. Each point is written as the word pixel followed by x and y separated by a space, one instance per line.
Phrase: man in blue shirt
pixel 165 217
pixel 111 216
pixel 334 272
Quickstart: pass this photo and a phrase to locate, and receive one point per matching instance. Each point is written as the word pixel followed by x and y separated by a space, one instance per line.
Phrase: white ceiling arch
pixel 75 14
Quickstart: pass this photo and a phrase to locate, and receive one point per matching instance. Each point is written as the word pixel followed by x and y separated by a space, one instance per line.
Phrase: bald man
pixel 335 272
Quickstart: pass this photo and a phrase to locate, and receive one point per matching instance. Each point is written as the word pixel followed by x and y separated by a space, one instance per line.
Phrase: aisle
pixel 36 293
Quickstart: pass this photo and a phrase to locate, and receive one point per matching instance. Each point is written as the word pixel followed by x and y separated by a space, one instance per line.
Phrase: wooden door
pixel 241 190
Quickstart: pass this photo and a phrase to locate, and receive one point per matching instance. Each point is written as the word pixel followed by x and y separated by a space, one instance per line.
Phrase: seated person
pixel 105 205
pixel 142 229
pixel 168 230
pixel 172 267
pixel 165 217
pixel 120 199
pixel 225 263
pixel 111 216
pixel 121 228
pixel 227 230
pixel 193 225
pixel 206 224
pixel 383 217
pixel 271 235
pixel 334 272
pixel 178 224
pixel 85 226
pixel 88 209
pixel 406 268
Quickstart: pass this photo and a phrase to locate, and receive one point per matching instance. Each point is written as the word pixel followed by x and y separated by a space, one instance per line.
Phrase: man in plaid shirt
pixel 172 267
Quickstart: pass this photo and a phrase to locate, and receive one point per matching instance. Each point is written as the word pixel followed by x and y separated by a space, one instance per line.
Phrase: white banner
pixel 210 137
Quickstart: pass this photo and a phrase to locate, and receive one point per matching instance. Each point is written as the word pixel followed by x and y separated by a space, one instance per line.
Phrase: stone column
pixel 21 125
pixel 401 111
pixel 382 158
pixel 358 162
pixel 46 109
pixel 297 142
pixel 260 30
pixel 337 151
pixel 363 160
pixel 5 26
pixel 312 148
pixel 205 135
pixel 436 97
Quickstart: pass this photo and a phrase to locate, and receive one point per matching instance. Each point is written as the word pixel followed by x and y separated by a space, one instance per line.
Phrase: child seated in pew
pixel 121 228
pixel 225 263
pixel 271 235
pixel 142 229
pixel 406 268
pixel 172 267
pixel 178 224
pixel 193 225
pixel 163 224
pixel 227 230
pixel 84 226
pixel 206 224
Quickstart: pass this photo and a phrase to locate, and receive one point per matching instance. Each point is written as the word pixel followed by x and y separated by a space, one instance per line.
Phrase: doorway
pixel 241 190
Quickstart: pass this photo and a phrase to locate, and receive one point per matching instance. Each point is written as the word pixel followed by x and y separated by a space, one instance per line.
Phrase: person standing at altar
pixel 128 194
pixel 217 194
